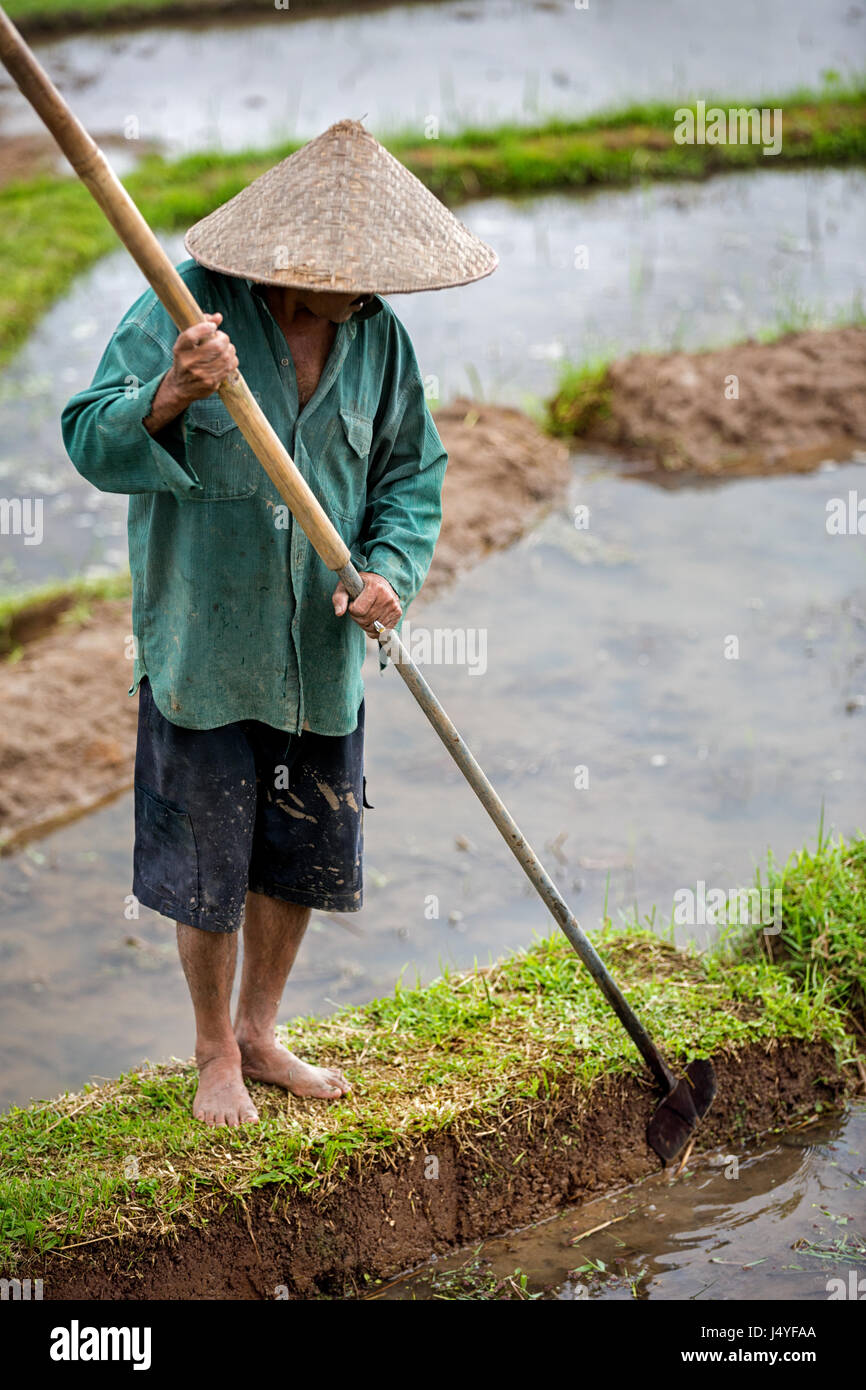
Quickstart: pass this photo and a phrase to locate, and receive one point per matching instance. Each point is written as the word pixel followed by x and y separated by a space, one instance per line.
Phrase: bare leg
pixel 273 931
pixel 208 960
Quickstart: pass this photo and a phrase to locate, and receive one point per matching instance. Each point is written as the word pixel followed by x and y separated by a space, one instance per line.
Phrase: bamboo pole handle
pixel 96 173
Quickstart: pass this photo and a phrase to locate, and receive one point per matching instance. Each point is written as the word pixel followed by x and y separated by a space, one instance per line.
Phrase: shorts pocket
pixel 166 854
pixel 221 458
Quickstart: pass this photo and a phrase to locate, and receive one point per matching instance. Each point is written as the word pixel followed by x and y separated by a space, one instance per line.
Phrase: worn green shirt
pixel 232 608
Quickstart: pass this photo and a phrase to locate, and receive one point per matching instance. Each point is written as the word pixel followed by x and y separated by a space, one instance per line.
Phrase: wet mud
pixel 390 1218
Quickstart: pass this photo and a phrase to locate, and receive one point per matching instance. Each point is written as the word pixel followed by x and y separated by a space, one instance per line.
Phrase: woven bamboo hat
pixel 341 215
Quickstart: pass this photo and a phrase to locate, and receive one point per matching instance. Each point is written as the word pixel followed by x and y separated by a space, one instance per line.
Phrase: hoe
pixel 685 1098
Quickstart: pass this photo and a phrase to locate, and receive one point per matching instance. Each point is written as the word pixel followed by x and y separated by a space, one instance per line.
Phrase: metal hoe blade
pixel 685 1104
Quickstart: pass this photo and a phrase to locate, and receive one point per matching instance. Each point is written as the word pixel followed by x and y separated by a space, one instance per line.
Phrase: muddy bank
pixel 481 1101
pixel 67 734
pixel 752 408
pixel 376 1224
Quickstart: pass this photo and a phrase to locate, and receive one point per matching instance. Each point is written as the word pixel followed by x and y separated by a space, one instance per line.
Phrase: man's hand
pixel 377 604
pixel 203 357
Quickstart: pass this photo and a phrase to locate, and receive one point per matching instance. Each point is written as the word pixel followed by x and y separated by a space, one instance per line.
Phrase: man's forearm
pixel 167 404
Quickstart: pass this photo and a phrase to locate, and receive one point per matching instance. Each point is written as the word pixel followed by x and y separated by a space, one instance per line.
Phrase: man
pixel 249 785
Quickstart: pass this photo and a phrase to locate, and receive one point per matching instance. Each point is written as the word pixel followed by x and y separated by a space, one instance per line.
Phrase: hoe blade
pixel 672 1125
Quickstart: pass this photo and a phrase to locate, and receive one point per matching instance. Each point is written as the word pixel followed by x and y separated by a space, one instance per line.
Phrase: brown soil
pixel 25 156
pixel 67 734
pixel 801 400
pixel 501 472
pixel 388 1219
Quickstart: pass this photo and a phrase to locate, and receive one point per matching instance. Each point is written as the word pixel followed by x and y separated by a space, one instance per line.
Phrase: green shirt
pixel 232 608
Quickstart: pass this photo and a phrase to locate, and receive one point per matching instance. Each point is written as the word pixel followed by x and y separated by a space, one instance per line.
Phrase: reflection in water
pixel 605 649
pixel 777 1221
pixel 670 265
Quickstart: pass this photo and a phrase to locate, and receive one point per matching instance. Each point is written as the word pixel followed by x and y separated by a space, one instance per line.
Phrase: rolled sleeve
pixel 103 426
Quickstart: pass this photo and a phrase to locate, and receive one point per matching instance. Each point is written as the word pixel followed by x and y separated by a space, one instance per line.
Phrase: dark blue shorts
pixel 244 807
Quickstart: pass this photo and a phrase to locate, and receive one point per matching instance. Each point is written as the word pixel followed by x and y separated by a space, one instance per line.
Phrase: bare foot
pixel 222 1098
pixel 271 1062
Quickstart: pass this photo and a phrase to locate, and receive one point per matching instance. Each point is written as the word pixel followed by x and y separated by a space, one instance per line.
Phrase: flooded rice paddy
pixel 670 265
pixel 249 82
pixel 602 649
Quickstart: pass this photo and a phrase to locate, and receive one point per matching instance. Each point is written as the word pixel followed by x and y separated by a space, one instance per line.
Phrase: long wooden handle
pixel 93 169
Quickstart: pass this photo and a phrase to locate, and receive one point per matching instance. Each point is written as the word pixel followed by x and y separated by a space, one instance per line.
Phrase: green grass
pixel 582 397
pixel 38 15
pixel 466 1052
pixel 822 936
pixel 50 230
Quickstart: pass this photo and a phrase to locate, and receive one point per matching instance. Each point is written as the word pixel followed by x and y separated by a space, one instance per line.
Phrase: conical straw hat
pixel 342 215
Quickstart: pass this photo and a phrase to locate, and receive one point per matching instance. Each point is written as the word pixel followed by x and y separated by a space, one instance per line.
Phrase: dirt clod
pixel 752 408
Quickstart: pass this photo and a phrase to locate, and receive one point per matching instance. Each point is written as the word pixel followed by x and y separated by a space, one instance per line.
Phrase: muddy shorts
pixel 245 806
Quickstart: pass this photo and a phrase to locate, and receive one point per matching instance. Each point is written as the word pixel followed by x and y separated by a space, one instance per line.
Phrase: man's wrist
pixel 167 404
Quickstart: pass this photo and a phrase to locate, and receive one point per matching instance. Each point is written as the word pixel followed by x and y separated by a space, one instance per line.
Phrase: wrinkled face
pixel 338 308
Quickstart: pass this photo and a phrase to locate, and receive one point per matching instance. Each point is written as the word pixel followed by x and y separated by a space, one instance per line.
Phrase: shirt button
pixel 285 361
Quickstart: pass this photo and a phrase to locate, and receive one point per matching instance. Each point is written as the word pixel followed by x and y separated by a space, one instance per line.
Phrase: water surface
pixel 670 265
pixel 602 650
pixel 251 82
pixel 784 1219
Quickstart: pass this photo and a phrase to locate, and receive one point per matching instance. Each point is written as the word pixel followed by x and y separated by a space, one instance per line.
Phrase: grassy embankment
pixel 462 1058
pixel 65 16
pixel 51 231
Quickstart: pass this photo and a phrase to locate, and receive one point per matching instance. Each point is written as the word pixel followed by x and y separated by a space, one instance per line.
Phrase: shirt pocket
pixel 359 432
pixel 351 498
pixel 221 458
